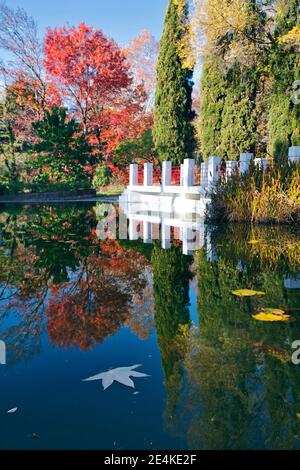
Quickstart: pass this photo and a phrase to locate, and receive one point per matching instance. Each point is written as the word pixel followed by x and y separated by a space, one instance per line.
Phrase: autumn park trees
pixel 251 64
pixel 136 103
pixel 75 86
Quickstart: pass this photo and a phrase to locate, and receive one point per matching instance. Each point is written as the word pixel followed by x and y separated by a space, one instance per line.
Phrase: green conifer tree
pixel 213 93
pixel 238 132
pixel 173 130
pixel 284 117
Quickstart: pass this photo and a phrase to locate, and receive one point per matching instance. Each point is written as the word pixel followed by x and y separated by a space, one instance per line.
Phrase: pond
pixel 75 304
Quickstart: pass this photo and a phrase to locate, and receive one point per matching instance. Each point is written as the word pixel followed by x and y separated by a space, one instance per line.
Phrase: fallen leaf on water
pixel 298 415
pixel 13 410
pixel 247 293
pixel 272 314
pixel 121 375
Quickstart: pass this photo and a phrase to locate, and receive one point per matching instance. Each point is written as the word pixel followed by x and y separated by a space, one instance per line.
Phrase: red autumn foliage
pixel 87 67
pixel 126 118
pixel 24 91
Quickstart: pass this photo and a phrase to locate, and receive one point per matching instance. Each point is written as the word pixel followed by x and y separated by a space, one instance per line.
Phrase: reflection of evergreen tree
pixel 243 392
pixel 59 236
pixel 171 275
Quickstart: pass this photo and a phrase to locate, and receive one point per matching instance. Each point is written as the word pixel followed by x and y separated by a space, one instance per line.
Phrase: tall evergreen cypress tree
pixel 213 93
pixel 238 132
pixel 173 130
pixel 284 118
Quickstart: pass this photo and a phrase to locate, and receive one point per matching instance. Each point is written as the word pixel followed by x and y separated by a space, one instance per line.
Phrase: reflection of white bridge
pixel 156 218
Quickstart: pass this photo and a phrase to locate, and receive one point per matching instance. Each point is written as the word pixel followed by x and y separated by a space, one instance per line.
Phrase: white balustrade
pixel 165 236
pixel 133 229
pixel 210 171
pixel 294 154
pixel 245 159
pixel 133 174
pixel 147 232
pixel 213 170
pixel 148 174
pixel 188 172
pixel 231 168
pixel 166 173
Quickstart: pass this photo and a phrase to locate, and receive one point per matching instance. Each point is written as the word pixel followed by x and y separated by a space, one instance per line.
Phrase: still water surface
pixel 73 306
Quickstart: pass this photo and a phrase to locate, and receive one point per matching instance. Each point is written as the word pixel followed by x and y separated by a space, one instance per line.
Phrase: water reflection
pixel 54 272
pixel 228 383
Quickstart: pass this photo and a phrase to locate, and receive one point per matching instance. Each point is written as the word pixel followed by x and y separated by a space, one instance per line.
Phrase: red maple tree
pixel 87 67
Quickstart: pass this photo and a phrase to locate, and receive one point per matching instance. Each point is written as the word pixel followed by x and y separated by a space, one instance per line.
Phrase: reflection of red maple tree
pixel 96 305
pixel 87 316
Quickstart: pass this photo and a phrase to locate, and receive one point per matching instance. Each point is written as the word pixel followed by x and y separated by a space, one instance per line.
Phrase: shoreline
pixel 59 197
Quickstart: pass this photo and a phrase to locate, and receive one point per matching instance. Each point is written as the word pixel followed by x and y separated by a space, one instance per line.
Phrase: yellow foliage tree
pixel 292 38
pixel 229 29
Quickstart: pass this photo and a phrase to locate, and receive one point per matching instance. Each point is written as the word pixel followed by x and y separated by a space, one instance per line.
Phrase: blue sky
pixel 120 19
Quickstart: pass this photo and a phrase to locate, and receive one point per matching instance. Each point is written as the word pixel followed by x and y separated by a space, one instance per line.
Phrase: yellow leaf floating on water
pixel 272 314
pixel 298 415
pixel 254 242
pixel 247 293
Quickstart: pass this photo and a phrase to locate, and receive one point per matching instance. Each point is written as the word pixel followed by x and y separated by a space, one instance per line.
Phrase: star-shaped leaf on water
pixel 120 374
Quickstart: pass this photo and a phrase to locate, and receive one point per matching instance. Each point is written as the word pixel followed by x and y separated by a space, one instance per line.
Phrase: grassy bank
pixel 111 190
pixel 257 197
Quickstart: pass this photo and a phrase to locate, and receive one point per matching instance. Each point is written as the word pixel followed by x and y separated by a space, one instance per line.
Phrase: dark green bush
pixel 102 176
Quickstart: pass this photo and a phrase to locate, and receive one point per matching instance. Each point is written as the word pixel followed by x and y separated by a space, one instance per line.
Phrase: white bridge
pixel 186 189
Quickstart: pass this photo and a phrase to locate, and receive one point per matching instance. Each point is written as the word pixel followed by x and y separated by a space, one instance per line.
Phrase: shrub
pixel 102 176
pixel 256 197
pixel 132 151
pixel 44 182
pixel 9 186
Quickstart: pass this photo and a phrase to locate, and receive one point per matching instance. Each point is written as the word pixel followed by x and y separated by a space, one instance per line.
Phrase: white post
pixel 204 175
pixel 201 237
pixel 147 229
pixel 231 167
pixel 294 154
pixel 188 240
pixel 133 174
pixel 262 163
pixel 133 231
pixel 211 254
pixel 166 173
pixel 148 174
pixel 165 236
pixel 181 174
pixel 245 159
pixel 188 172
pixel 213 170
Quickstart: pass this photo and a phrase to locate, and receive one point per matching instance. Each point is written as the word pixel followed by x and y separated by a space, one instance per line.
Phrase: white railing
pixel 202 177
